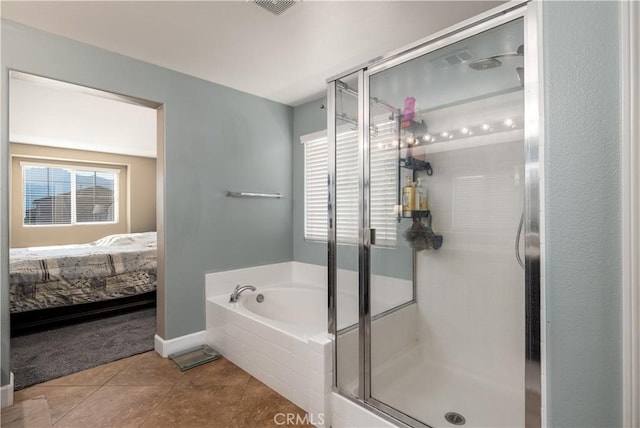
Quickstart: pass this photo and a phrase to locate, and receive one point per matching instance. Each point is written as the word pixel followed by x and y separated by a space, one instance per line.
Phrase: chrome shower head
pixel 493 61
pixel 485 63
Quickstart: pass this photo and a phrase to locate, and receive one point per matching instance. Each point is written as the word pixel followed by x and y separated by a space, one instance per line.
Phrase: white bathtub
pixel 283 340
pixel 292 309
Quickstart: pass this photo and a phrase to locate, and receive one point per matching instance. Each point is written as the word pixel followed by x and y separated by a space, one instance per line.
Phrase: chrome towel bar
pixel 230 194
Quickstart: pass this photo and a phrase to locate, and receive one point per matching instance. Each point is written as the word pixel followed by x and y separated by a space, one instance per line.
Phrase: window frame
pixel 389 234
pixel 73 169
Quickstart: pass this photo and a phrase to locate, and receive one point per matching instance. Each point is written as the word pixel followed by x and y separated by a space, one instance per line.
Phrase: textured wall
pixel 217 138
pixel 582 179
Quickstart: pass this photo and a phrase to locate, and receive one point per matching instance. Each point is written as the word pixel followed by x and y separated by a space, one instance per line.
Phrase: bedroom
pixel 83 210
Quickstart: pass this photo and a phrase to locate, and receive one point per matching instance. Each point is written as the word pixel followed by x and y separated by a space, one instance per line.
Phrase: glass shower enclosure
pixel 433 243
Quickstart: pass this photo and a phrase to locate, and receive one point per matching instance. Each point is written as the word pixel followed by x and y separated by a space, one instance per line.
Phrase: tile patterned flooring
pixel 147 390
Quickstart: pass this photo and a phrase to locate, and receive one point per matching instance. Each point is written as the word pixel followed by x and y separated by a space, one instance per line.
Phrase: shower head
pixel 493 61
pixel 485 63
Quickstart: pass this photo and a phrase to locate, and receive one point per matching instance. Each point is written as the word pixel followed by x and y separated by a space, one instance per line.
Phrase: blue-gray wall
pixel 583 213
pixel 216 138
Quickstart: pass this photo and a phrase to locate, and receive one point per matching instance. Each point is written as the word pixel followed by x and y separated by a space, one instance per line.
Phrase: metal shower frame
pixel 533 190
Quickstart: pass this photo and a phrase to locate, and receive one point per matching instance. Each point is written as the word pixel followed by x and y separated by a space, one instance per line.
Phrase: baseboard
pixel 171 346
pixel 6 393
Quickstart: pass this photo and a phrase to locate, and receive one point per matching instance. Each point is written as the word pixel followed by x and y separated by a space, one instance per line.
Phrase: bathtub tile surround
pixel 293 360
pixel 283 340
pixel 267 275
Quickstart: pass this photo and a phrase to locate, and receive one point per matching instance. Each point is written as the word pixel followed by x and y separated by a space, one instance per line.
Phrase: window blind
pixel 383 185
pixel 56 195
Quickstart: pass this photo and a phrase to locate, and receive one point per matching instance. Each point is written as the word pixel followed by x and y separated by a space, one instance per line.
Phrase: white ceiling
pixel 284 58
pixel 47 113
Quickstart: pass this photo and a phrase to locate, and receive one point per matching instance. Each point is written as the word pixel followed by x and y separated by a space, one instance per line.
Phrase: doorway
pixel 87 178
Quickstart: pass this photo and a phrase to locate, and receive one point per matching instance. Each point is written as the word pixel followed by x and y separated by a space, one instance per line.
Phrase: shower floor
pixel 427 391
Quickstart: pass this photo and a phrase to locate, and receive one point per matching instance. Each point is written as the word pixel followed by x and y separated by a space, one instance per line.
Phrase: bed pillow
pixel 145 239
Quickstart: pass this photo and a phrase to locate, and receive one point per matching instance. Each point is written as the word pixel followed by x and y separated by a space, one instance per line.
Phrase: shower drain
pixel 455 418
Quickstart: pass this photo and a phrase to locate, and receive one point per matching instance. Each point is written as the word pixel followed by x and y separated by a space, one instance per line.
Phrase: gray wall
pixel 217 138
pixel 583 212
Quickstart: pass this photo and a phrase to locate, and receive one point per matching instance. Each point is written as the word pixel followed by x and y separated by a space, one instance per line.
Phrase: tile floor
pixel 147 390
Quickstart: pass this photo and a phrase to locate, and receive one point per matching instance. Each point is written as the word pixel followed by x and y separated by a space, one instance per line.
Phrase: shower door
pixel 447 330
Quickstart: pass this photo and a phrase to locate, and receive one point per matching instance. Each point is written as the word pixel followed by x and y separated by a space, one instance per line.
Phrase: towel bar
pixel 230 194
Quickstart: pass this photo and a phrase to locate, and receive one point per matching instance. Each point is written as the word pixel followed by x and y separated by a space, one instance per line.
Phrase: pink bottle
pixel 409 109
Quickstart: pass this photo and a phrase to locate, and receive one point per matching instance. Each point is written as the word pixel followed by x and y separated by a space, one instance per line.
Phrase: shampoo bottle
pixel 423 197
pixel 408 198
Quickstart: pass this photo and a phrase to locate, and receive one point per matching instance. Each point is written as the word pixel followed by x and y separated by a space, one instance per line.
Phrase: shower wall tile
pixel 471 292
pixel 345 413
pixel 392 334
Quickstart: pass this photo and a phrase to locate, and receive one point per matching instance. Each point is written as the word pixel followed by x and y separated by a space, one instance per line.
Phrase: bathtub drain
pixel 455 418
pixel 260 298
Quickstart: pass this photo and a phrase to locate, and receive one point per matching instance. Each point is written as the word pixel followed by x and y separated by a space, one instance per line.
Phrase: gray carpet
pixel 47 355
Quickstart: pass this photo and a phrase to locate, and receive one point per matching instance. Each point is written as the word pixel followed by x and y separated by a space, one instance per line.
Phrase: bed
pixel 59 283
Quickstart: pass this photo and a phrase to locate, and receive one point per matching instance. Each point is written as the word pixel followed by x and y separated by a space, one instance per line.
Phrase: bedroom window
pixel 63 195
pixel 383 186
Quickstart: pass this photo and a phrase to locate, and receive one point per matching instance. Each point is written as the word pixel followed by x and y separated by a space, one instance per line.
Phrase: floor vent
pixel 276 7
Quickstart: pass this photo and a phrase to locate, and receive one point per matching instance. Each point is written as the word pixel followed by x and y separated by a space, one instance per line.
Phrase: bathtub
pixel 293 309
pixel 283 340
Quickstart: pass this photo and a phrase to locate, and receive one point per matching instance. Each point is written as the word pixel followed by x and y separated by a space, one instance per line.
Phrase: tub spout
pixel 238 291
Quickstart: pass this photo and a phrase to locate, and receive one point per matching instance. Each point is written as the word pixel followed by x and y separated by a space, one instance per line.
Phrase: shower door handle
pixel 517 246
pixel 372 236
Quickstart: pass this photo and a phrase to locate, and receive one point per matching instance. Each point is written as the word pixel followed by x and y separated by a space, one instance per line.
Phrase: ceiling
pixel 284 58
pixel 55 114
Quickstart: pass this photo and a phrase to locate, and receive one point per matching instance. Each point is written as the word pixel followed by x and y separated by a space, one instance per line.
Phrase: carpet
pixel 47 355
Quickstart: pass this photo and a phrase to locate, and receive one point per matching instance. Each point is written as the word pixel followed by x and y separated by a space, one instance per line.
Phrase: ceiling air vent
pixel 276 7
pixel 453 58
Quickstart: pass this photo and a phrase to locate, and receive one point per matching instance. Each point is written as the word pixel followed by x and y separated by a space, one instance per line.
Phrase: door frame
pixel 630 167
pixel 534 193
pixel 160 169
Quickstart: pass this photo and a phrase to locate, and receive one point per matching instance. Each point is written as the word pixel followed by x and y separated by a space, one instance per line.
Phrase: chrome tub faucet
pixel 233 298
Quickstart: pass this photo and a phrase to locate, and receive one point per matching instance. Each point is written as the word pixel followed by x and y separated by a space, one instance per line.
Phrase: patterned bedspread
pixel 112 267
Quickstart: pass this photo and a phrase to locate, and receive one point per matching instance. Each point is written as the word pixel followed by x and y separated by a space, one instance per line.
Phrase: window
pixel 60 195
pixel 383 185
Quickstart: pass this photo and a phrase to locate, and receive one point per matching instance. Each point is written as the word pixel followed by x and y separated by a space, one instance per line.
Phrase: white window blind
pixel 383 185
pixel 316 192
pixel 58 195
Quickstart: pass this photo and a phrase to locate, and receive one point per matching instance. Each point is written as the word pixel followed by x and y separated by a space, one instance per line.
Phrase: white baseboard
pixel 171 346
pixel 6 393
